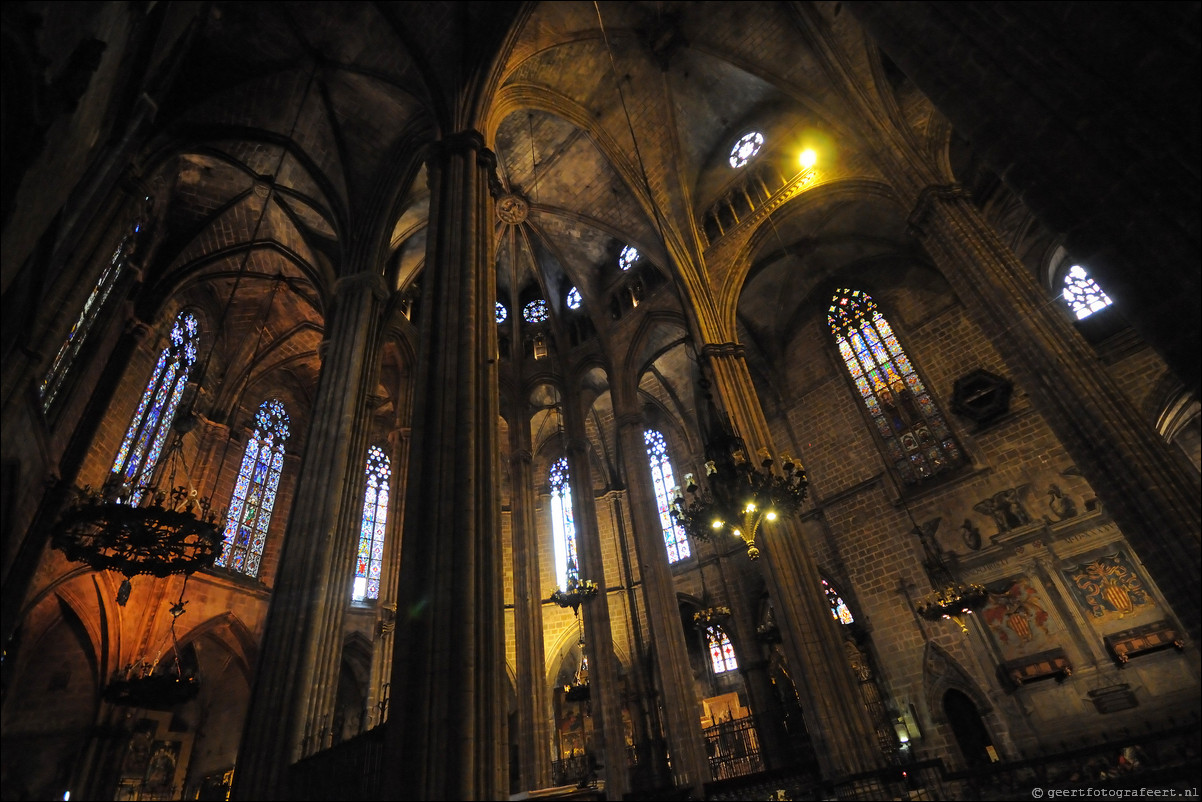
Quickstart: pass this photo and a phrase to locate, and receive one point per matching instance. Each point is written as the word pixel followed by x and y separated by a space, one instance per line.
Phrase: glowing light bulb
pixel 771 516
pixel 808 158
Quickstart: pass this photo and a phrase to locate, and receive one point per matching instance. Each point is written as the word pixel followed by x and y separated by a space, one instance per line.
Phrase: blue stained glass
pixel 151 422
pixel 255 490
pixel 369 568
pixel 663 480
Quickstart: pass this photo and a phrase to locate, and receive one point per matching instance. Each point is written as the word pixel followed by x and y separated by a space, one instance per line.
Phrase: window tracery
pixel 255 490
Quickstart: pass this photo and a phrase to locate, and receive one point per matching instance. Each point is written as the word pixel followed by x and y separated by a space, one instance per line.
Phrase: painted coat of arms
pixel 1015 613
pixel 1109 586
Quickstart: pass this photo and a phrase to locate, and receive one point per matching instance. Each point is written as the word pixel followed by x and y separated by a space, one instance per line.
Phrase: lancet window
pixel 916 439
pixel 255 491
pixel 151 422
pixel 369 564
pixel 663 480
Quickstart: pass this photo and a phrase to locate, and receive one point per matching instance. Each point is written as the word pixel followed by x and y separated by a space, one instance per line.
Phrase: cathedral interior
pixel 599 400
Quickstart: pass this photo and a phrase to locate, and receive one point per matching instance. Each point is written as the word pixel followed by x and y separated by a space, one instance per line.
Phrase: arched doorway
pixel 968 728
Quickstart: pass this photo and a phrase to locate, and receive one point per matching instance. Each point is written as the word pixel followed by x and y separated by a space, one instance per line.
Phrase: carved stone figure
pixel 971 534
pixel 1061 505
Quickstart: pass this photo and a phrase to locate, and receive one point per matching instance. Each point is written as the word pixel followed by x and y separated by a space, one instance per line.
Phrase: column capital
pixel 462 142
pixel 630 419
pixel 522 456
pixel 362 281
pixel 926 199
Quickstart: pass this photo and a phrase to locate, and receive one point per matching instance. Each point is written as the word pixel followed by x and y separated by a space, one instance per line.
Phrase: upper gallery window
pixel 52 382
pixel 722 652
pixel 918 442
pixel 574 299
pixel 370 562
pixel 151 422
pixel 628 257
pixel 255 491
pixel 1082 293
pixel 502 312
pixel 746 149
pixel 563 526
pixel 664 482
pixel 535 311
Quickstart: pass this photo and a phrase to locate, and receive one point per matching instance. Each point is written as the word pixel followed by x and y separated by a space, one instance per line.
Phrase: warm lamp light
pixel 808 158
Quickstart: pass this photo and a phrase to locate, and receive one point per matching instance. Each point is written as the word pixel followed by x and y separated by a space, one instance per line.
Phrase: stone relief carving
pixel 1061 505
pixel 1006 508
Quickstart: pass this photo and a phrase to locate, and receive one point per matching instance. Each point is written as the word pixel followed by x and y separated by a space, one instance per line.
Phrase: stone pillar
pixel 446 728
pixel 534 713
pixel 1144 486
pixel 19 574
pixel 765 709
pixel 294 689
pixel 842 733
pixel 604 685
pixel 681 709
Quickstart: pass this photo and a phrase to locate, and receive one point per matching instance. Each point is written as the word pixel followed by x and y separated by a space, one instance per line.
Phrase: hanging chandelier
pixel 952 601
pixel 703 619
pixel 169 531
pixel 948 598
pixel 739 496
pixel 578 592
pixel 144 686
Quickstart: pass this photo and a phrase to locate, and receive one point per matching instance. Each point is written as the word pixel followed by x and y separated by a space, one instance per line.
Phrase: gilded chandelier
pixel 740 497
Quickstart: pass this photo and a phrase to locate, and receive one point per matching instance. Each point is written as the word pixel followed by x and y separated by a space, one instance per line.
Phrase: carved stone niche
pixel 981 397
pixel 1142 640
pixel 1052 664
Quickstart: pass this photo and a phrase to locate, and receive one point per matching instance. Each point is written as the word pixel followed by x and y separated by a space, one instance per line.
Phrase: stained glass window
pixel 535 311
pixel 254 491
pixel 916 438
pixel 628 257
pixel 664 482
pixel 563 526
pixel 722 653
pixel 1082 293
pixel 151 421
pixel 370 561
pixel 746 148
pixel 502 312
pixel 52 382
pixel 839 608
pixel 574 299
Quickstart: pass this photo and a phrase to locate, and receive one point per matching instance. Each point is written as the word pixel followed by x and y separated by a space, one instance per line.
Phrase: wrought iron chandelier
pixel 949 598
pixel 740 497
pixel 169 531
pixel 142 685
pixel 703 619
pixel 578 592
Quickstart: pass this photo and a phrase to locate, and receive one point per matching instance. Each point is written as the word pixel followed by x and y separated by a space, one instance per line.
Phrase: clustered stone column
pixel 445 738
pixel 296 683
pixel 604 686
pixel 679 708
pixel 533 737
pixel 843 735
